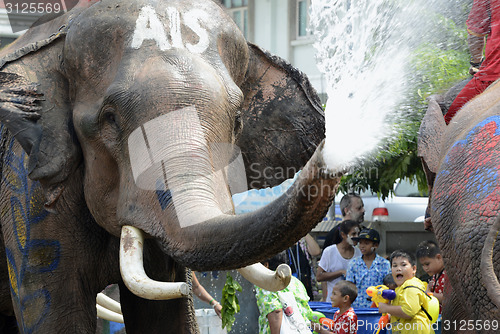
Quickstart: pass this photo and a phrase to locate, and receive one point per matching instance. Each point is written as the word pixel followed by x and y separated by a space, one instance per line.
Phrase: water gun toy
pixel 381 294
pixel 320 318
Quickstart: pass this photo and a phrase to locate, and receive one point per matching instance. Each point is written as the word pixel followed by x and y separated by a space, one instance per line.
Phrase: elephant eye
pixel 109 116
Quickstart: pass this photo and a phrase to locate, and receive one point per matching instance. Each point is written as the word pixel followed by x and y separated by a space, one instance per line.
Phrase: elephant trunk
pixel 226 241
pixel 192 179
pixel 490 279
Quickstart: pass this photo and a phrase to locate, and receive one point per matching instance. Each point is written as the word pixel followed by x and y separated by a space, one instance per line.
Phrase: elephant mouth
pixel 137 281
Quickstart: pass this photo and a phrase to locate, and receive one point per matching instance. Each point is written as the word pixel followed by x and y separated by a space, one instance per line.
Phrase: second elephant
pixel 462 162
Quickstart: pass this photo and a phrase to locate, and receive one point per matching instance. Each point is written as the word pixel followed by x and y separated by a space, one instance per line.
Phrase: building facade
pixel 279 26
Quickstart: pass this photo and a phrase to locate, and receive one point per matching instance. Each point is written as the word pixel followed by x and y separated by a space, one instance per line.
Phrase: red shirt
pixel 484 19
pixel 345 323
pixel 437 282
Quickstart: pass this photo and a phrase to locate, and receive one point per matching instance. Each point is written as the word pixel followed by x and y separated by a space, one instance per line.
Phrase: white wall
pixel 274 30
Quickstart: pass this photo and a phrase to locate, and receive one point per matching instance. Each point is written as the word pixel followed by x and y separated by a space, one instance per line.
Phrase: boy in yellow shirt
pixel 408 315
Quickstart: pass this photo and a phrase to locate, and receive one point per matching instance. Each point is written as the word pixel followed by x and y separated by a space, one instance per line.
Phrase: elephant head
pixel 461 161
pixel 167 111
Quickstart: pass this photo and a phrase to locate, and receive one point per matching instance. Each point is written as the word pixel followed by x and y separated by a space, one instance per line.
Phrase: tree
pixel 437 66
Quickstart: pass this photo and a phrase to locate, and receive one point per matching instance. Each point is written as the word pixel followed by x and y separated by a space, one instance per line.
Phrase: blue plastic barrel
pixel 367 317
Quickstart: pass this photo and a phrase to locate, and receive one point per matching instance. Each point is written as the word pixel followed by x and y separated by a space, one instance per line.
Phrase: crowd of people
pixel 348 265
pixel 349 262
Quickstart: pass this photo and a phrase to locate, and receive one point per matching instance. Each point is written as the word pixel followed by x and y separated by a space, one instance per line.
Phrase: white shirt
pixel 332 261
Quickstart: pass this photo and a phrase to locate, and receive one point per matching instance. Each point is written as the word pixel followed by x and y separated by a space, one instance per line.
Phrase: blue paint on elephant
pixel 472 133
pixel 483 179
pixel 468 138
pixel 164 196
pixel 49 254
pixel 35 256
pixel 38 302
pixel 21 229
pixel 480 125
pixel 482 182
pixel 14 278
pixel 442 173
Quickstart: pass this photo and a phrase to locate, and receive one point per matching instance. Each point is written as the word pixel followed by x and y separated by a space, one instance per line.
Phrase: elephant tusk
pixel 106 314
pixel 108 303
pixel 133 274
pixel 267 279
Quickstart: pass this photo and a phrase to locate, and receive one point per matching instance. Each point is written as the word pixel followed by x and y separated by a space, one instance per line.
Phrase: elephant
pixel 126 127
pixel 462 164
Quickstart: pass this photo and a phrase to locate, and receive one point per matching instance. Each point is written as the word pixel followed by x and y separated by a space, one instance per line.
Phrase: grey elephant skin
pixel 131 113
pixel 462 164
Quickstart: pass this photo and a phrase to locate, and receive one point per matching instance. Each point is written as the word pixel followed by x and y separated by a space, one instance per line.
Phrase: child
pixel 408 315
pixel 429 256
pixel 344 293
pixel 369 269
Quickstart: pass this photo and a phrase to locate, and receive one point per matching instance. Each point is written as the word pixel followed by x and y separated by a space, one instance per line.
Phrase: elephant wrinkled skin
pixel 462 163
pixel 153 113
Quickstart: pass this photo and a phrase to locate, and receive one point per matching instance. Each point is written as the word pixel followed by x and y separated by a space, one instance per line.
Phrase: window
pixel 303 18
pixel 238 9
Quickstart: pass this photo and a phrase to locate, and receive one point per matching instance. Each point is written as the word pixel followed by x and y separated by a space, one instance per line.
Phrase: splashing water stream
pixel 363 48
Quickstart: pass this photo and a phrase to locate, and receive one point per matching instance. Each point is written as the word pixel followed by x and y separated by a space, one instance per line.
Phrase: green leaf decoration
pixel 229 302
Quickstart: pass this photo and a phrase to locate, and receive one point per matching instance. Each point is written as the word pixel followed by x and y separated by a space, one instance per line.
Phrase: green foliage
pixel 438 69
pixel 435 67
pixel 230 304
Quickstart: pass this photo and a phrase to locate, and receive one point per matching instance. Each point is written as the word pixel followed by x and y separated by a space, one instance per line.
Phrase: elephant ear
pixel 430 135
pixel 45 132
pixel 282 120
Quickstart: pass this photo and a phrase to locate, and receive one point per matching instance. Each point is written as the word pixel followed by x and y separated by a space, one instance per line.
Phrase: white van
pixel 406 204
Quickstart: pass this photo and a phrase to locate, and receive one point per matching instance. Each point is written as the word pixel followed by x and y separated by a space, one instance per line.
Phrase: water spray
pixel 363 55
